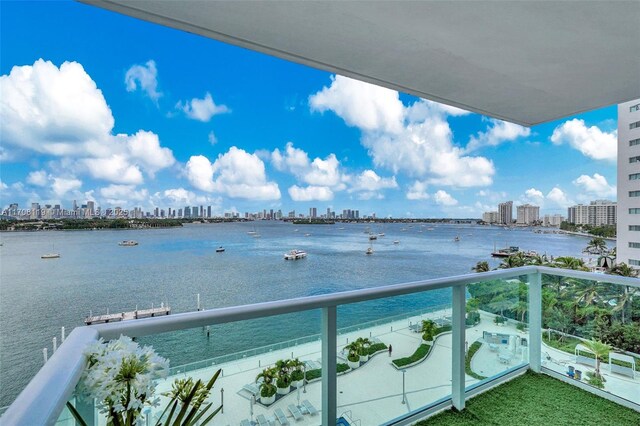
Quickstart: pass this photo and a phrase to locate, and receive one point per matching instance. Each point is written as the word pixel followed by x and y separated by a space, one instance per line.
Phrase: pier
pixel 125 316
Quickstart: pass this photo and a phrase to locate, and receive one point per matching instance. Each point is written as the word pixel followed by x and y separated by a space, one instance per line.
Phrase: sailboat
pixel 52 255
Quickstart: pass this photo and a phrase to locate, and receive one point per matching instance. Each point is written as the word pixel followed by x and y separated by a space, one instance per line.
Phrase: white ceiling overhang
pixel 526 62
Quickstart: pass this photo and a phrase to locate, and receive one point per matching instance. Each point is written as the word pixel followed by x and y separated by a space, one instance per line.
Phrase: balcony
pixel 501 338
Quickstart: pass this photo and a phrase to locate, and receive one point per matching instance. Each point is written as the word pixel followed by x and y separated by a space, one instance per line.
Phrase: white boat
pixel 369 250
pixel 128 243
pixel 220 249
pixel 50 256
pixel 381 234
pixel 307 235
pixel 295 255
pixel 457 238
pixel 396 242
pixel 373 237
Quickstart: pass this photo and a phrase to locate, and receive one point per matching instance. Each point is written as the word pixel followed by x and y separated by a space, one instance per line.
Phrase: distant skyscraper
pixel 597 213
pixel 505 213
pixel 628 213
pixel 527 214
pixel 208 211
pixel 91 208
pixel 313 212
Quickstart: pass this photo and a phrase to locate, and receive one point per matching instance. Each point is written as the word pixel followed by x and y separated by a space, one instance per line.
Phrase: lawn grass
pixel 536 399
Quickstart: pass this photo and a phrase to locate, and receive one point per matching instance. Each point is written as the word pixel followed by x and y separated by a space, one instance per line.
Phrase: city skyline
pixel 193 121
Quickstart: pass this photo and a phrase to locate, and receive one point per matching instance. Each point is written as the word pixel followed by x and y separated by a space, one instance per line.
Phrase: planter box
pixel 283 391
pixel 364 358
pixel 268 400
pixel 353 365
pixel 297 383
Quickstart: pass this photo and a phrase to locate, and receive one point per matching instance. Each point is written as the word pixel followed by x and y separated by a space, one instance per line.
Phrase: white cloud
pixel 201 109
pixel 122 195
pixel 418 191
pixel 61 186
pixel 60 112
pixel 596 185
pixel 558 197
pixel 590 141
pixel 416 140
pixel 38 178
pixel 533 196
pixel 212 138
pixel 370 181
pixel 444 199
pixel 497 132
pixel 235 173
pixel 310 193
pixel 181 197
pixel 51 110
pixel 144 77
pixel 360 104
pixel 144 148
pixel 319 172
pixel 115 168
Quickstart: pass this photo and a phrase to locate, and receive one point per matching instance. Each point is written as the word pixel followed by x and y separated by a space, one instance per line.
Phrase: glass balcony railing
pixel 384 355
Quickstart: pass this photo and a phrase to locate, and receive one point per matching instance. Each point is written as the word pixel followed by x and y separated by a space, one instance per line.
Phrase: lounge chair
pixel 309 406
pixel 295 412
pixel 252 388
pixel 262 420
pixel 282 419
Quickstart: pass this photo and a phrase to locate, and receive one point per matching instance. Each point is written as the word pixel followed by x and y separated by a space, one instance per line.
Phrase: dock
pixel 126 316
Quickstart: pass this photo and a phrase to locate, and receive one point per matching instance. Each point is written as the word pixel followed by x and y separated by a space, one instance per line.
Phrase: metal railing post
pixel 329 379
pixel 535 321
pixel 458 301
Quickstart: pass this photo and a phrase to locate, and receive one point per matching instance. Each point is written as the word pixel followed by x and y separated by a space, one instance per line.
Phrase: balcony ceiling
pixel 526 62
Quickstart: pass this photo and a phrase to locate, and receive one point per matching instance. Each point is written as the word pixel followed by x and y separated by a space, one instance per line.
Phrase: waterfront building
pixel 490 217
pixel 527 214
pixel 505 213
pixel 597 213
pixel 628 215
pixel 552 220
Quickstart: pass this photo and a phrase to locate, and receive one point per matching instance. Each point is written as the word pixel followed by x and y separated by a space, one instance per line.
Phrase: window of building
pixel 634 176
pixel 634 125
pixel 634 227
pixel 634 142
pixel 634 211
pixel 635 159
pixel 634 262
pixel 634 108
pixel 634 245
pixel 634 193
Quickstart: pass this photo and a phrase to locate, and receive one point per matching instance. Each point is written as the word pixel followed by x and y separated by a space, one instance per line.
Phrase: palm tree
pixel 600 350
pixel 597 245
pixel 481 267
pixel 513 261
pixel 623 270
pixel 568 262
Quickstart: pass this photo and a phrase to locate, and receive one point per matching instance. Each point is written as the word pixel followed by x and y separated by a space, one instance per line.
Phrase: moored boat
pixel 295 255
pixel 128 243
pixel 50 256
pixel 220 249
pixel 369 250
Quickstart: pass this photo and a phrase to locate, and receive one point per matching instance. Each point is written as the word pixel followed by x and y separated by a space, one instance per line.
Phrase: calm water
pixel 38 296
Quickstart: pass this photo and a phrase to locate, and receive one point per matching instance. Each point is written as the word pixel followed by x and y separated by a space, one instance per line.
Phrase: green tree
pixel 481 267
pixel 600 350
pixel 597 245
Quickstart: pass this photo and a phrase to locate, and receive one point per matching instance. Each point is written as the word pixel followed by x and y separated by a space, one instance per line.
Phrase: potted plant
pixel 267 388
pixel 297 373
pixel 283 378
pixel 428 331
pixel 500 320
pixel 363 348
pixel 353 358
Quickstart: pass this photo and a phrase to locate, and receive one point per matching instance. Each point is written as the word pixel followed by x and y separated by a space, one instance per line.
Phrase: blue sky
pixel 99 106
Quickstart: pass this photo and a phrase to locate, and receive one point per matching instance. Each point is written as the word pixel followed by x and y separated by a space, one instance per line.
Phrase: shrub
pixel 376 347
pixel 500 320
pixel 467 360
pixel 267 390
pixel 314 374
pixel 473 318
pixel 297 375
pixel 419 354
pixel 521 326
pixel 595 380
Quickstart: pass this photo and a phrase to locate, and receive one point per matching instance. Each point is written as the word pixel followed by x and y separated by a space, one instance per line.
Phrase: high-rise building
pixel 527 214
pixel 505 213
pixel 552 220
pixel 597 213
pixel 490 217
pixel 313 212
pixel 208 211
pixel 35 211
pixel 628 214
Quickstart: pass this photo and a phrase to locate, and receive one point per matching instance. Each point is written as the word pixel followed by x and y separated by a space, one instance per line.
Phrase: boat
pixel 369 250
pixel 295 255
pixel 50 256
pixel 128 243
pixel 373 237
pixel 220 249
pixel 381 234
pixel 457 238
pixel 396 242
pixel 307 235
pixel 505 252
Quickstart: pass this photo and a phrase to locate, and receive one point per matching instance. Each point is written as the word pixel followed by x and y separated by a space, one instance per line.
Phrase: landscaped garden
pixel 429 333
pixel 536 399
